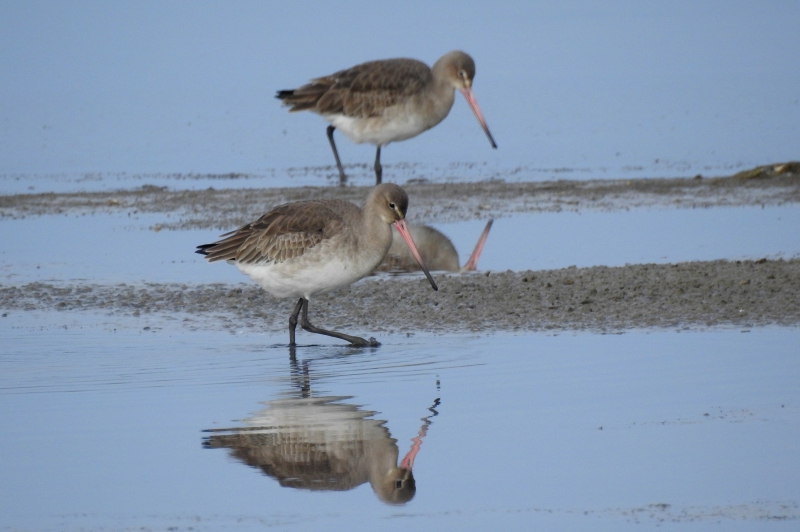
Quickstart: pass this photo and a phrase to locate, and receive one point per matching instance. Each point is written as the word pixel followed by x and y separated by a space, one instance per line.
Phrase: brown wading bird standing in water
pixel 379 102
pixel 311 247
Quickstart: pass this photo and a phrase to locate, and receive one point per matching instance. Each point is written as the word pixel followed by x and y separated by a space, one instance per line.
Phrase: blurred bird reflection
pixel 323 443
pixel 437 251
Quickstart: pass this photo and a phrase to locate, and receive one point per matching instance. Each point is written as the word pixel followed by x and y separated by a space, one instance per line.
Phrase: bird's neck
pixel 440 93
pixel 441 82
pixel 375 231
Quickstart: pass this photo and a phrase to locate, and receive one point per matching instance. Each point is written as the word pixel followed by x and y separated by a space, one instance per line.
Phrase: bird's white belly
pixel 394 125
pixel 290 279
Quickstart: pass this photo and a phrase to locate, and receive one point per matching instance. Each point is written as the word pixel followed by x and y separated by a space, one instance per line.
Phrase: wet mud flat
pixel 692 295
pixel 223 209
pixel 106 367
pixel 599 299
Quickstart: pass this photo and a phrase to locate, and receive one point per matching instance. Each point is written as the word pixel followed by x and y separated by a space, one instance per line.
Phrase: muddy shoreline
pixel 224 209
pixel 599 299
pixel 692 295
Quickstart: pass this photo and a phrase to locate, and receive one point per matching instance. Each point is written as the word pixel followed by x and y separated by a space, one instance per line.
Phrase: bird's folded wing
pixel 285 232
pixel 365 90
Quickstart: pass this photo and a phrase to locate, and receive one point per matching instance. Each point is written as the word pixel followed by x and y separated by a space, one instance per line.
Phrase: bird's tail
pixel 203 249
pixel 306 97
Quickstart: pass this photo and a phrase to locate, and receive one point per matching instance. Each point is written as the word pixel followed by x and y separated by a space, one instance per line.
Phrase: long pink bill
pixel 402 228
pixel 472 263
pixel 477 110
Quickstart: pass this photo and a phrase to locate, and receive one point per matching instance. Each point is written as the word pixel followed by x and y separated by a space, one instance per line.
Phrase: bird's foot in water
pixel 360 342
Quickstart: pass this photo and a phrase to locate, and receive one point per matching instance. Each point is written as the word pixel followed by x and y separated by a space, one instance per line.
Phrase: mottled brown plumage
pixel 380 102
pixel 363 91
pixel 311 247
pixel 285 232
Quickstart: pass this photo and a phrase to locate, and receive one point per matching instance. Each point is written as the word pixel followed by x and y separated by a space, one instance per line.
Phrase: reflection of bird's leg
pixel 305 390
pixel 408 459
pixel 300 378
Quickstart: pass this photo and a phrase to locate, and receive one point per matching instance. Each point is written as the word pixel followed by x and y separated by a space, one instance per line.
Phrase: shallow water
pixel 104 417
pixel 105 429
pixel 568 89
pixel 122 422
pixel 106 248
pixel 640 236
pixel 111 248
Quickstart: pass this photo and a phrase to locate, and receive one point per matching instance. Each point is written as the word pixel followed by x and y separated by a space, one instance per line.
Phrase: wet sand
pixel 600 299
pixel 429 202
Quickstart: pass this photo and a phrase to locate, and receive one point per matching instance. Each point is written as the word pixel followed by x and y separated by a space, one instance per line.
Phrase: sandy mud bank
pixel 227 208
pixel 599 299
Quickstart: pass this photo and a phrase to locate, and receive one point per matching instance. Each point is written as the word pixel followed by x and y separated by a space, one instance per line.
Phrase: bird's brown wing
pixel 285 232
pixel 362 91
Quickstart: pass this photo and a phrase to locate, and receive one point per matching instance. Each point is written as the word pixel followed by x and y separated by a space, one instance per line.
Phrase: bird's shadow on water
pixel 322 442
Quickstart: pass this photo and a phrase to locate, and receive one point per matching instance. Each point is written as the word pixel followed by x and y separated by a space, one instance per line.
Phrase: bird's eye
pixel 462 74
pixel 392 206
pixel 398 484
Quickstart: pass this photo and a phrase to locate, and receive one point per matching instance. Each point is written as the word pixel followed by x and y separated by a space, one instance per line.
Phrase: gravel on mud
pixel 225 209
pixel 598 299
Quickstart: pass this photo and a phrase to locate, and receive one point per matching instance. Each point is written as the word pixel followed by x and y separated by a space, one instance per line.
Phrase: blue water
pixel 109 248
pixel 623 88
pixel 556 240
pixel 104 430
pixel 104 421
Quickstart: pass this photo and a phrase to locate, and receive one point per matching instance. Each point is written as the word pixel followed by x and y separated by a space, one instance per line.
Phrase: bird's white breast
pixel 285 279
pixel 396 123
pixel 322 269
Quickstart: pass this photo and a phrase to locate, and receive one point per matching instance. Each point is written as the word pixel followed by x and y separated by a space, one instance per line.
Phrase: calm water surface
pixel 109 429
pixel 603 90
pixel 130 429
pixel 100 248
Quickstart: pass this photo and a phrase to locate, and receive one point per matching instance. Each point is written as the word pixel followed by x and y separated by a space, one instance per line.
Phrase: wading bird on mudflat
pixel 385 101
pixel 311 247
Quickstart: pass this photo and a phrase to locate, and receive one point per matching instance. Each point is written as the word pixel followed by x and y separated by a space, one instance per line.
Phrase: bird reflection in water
pixel 437 251
pixel 323 444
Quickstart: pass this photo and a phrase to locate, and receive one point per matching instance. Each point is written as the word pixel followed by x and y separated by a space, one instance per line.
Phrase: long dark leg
pixel 293 322
pixel 355 340
pixel 378 167
pixel 342 177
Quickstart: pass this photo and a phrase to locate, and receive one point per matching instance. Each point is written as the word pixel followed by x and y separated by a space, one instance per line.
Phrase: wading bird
pixel 385 101
pixel 311 247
